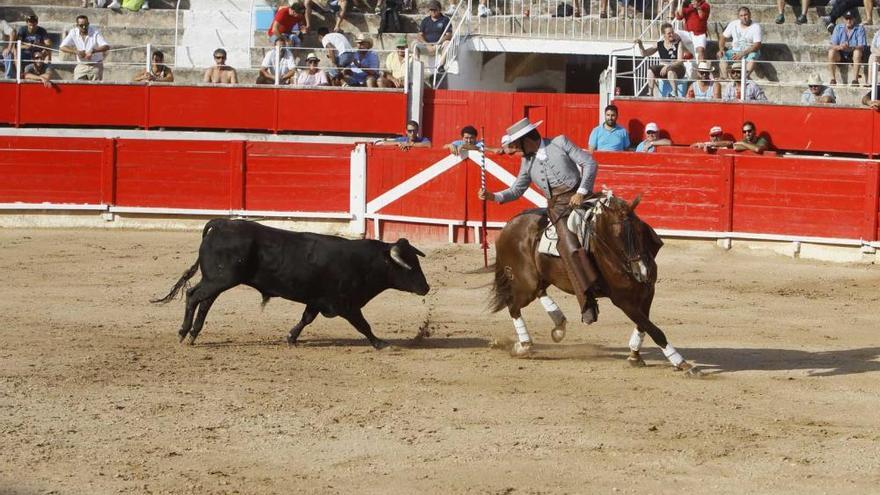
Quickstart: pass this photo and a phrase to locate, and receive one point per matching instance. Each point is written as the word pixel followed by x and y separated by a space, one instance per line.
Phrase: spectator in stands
pixel 89 46
pixel 652 139
pixel 716 140
pixel 39 69
pixel 868 102
pixel 695 14
pixel 608 136
pixel 848 43
pixel 158 71
pixel 220 73
pixel 289 22
pixel 733 91
pixel 745 38
pixel 803 4
pixel 431 30
pixel 704 87
pixel 339 51
pixel 817 93
pixel 751 141
pixel 7 34
pixel 394 74
pixel 33 38
pixel 286 65
pixel 313 75
pixel 841 7
pixel 671 64
pixel 469 141
pixel 874 50
pixel 364 69
pixel 411 140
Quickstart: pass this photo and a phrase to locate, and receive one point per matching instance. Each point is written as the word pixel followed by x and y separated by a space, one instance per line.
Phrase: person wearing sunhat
pixel 704 87
pixel 652 139
pixel 312 75
pixel 733 91
pixel 394 74
pixel 364 69
pixel 716 140
pixel 554 166
pixel 817 93
pixel 848 42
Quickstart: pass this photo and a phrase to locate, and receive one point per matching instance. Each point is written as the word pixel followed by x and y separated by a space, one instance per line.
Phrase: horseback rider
pixel 553 165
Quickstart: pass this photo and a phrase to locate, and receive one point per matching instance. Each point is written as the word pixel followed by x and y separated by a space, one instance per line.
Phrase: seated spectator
pixel 751 141
pixel 431 31
pixel 874 50
pixel 89 46
pixel 817 93
pixel 695 14
pixel 716 140
pixel 745 38
pixel 841 7
pixel 220 73
pixel 158 71
pixel 39 70
pixel 848 43
pixel 339 51
pixel 803 4
pixel 288 22
pixel 652 139
pixel 135 5
pixel 733 91
pixel 364 69
pixel 704 87
pixel 608 136
pixel 869 102
pixel 671 64
pixel 313 75
pixel 411 140
pixel 394 74
pixel 286 64
pixel 33 38
pixel 8 54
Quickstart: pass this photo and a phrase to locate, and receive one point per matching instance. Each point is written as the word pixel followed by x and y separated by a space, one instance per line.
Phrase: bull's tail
pixel 502 290
pixel 184 279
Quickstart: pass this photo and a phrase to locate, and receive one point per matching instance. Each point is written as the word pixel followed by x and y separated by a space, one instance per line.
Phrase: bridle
pixel 631 259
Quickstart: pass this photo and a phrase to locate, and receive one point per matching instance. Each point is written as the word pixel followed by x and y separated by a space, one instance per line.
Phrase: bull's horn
pixel 395 255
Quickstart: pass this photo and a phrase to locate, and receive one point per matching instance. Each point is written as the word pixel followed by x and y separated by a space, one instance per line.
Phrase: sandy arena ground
pixel 96 396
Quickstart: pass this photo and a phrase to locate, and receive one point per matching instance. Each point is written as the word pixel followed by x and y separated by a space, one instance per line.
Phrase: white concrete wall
pixel 212 24
pixel 474 75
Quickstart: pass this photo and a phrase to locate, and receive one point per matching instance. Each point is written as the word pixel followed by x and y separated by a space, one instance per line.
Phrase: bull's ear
pixel 635 202
pixel 404 243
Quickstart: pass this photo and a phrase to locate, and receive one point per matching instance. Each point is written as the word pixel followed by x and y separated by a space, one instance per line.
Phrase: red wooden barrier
pixel 212 108
pixel 82 105
pixel 8 102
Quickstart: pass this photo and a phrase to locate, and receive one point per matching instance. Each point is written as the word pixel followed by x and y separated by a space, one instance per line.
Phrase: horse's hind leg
pixel 556 314
pixel 523 345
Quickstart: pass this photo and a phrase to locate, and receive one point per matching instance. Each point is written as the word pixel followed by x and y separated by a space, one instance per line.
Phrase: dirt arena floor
pixel 97 396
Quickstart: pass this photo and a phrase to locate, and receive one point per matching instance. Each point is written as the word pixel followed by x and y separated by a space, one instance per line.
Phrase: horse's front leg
pixel 644 325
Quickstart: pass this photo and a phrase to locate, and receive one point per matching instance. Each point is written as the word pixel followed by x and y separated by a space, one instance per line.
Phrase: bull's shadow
pixel 717 360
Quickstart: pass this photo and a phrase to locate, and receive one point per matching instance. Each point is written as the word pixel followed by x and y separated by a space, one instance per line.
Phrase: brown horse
pixel 623 248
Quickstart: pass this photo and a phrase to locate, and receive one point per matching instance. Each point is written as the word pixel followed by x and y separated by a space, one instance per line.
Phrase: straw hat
pixel 704 66
pixel 814 80
pixel 363 38
pixel 312 56
pixel 521 128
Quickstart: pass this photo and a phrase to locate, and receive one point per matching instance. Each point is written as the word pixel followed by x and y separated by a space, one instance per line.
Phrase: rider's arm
pixel 583 159
pixel 519 186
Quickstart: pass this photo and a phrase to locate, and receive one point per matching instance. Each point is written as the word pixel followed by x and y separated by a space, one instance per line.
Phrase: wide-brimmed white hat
pixel 505 140
pixel 704 66
pixel 814 80
pixel 521 128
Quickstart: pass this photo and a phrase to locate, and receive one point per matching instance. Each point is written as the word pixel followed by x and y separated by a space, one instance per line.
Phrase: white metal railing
pixel 630 75
pixel 570 20
pixel 456 30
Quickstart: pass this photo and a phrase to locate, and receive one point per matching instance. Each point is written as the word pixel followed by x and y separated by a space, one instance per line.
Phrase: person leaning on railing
pixel 89 46
pixel 751 141
pixel 39 69
pixel 716 140
pixel 158 71
pixel 220 73
pixel 412 139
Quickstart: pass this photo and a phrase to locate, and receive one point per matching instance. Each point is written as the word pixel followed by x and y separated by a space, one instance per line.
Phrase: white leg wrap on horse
pixel 549 304
pixel 672 355
pixel 636 339
pixel 522 334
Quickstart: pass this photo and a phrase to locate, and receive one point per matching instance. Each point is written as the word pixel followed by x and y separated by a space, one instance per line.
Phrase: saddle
pixel 580 222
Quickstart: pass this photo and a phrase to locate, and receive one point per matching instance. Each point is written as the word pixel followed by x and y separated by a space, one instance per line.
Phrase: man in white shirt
pixel 746 41
pixel 286 66
pixel 89 46
pixel 7 58
pixel 339 51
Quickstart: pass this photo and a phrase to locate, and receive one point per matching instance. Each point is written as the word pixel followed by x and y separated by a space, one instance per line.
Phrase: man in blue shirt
pixel 433 34
pixel 652 139
pixel 609 136
pixel 412 139
pixel 469 141
pixel 848 42
pixel 364 70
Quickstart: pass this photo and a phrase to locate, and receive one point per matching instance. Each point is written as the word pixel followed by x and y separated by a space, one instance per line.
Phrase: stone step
pixel 117 36
pixel 154 4
pixel 102 18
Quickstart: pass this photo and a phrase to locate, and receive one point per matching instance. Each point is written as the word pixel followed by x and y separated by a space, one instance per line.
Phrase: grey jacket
pixel 555 164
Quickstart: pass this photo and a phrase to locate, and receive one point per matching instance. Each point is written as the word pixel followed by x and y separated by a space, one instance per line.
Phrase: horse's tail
pixel 501 295
pixel 184 279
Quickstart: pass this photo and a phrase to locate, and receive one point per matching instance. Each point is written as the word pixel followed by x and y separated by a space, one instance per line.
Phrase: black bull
pixel 330 275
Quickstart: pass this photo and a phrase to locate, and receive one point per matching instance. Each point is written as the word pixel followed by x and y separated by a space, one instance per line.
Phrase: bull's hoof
pixel 521 349
pixel 558 333
pixel 636 361
pixel 380 344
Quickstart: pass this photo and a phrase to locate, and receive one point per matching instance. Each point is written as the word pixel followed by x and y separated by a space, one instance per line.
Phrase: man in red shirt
pixel 696 19
pixel 286 18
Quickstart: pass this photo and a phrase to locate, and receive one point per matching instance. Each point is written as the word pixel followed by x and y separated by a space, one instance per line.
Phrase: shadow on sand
pixel 413 343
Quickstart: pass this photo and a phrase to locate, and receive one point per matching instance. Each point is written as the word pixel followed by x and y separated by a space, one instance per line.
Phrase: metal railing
pixel 448 53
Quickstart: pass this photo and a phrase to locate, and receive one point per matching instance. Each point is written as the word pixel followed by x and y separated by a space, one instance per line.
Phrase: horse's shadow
pixel 717 360
pixel 410 343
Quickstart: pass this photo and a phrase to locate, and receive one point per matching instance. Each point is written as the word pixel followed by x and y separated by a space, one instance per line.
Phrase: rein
pixel 630 258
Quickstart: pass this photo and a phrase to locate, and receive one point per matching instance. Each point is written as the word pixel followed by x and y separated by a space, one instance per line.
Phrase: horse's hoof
pixel 521 349
pixel 192 340
pixel 636 362
pixel 690 371
pixel 558 333
pixel 181 337
pixel 291 342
